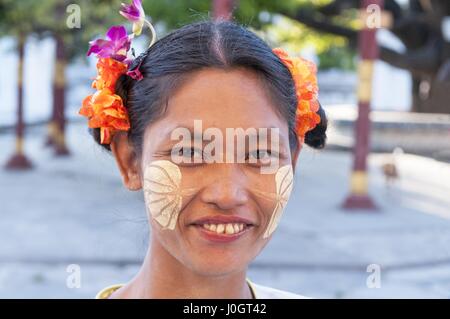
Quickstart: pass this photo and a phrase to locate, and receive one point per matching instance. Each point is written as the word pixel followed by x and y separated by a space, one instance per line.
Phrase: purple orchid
pixel 115 46
pixel 134 12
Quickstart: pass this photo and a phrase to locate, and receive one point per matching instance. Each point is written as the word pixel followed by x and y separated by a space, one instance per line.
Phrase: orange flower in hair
pixel 304 74
pixel 104 109
pixel 109 70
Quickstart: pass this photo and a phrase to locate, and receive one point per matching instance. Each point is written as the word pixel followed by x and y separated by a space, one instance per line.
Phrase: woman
pixel 209 219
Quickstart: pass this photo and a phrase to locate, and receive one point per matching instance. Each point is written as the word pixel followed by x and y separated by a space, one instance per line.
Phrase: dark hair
pixel 206 44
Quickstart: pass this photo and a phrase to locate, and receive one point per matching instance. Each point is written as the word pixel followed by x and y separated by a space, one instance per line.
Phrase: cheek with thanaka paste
pixel 163 192
pixel 284 179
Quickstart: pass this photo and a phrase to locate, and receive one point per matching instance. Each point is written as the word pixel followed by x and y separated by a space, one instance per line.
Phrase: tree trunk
pixel 19 160
pixel 59 96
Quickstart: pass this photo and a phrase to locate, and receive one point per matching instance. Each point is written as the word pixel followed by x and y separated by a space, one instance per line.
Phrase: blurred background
pixel 369 216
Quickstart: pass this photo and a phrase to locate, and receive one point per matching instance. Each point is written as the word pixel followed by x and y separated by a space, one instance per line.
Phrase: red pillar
pixel 223 9
pixel 19 161
pixel 57 124
pixel 368 49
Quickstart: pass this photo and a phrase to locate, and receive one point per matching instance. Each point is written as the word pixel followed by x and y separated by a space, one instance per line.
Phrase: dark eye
pixel 260 156
pixel 188 154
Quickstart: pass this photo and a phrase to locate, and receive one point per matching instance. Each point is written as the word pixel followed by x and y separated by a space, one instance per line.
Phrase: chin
pixel 217 267
pixel 214 255
pixel 209 254
pixel 215 261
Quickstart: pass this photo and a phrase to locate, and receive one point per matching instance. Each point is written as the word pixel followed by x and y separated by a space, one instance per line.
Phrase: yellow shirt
pixel 258 292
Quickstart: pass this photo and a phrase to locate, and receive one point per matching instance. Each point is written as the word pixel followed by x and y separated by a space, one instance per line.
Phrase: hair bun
pixel 316 138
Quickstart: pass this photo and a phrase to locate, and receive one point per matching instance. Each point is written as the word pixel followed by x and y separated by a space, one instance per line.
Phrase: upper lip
pixel 222 219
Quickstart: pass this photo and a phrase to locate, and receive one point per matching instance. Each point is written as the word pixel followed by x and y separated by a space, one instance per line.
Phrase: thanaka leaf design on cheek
pixel 284 179
pixel 163 193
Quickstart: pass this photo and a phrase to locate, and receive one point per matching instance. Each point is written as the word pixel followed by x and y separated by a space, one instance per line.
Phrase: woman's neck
pixel 163 276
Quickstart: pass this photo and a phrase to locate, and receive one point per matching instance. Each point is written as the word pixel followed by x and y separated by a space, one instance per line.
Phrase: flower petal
pixel 304 75
pixel 116 45
pixel 104 109
pixel 129 13
pixel 116 33
pixel 133 12
pixel 100 47
pixel 137 27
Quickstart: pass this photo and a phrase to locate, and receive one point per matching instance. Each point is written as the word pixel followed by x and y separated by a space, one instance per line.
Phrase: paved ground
pixel 75 211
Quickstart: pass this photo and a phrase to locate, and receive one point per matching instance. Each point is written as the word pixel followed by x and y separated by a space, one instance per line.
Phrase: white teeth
pixel 220 228
pixel 229 229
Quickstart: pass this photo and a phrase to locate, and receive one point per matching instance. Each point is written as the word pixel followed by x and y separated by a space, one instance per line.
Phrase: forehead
pixel 222 99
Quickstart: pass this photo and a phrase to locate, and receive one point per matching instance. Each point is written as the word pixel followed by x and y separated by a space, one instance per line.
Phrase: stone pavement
pixel 75 211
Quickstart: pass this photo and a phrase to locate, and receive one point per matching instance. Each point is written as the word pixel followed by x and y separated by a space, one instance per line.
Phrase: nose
pixel 227 190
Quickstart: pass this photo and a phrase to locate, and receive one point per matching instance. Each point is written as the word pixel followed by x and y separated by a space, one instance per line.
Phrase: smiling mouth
pixel 223 228
pixel 222 232
pixel 226 228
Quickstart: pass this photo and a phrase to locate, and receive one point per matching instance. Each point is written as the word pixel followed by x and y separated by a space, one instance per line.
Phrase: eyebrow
pixel 169 141
pixel 168 135
pixel 191 130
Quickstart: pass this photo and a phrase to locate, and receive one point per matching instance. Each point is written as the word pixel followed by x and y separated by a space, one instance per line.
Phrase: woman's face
pixel 220 211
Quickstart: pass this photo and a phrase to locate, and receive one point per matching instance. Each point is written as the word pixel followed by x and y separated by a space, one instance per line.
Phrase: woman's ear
pixel 296 155
pixel 127 161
